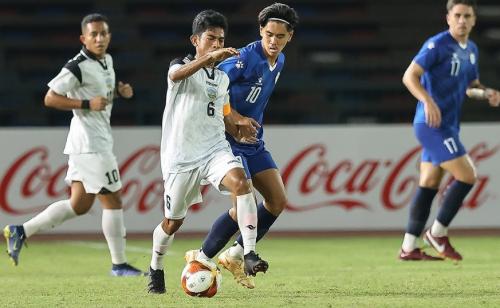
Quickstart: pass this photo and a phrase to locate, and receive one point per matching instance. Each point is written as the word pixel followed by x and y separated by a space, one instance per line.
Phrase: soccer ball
pixel 200 280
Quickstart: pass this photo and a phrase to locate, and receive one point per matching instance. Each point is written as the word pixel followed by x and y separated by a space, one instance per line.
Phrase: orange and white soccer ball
pixel 198 279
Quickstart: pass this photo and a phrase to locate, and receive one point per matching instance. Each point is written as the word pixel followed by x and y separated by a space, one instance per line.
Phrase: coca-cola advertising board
pixel 337 178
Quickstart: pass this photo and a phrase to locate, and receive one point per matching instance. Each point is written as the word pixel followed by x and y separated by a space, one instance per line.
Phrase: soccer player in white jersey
pixel 86 85
pixel 194 149
pixel 440 76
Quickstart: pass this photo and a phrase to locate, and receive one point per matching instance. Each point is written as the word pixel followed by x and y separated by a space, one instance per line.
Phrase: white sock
pixel 202 256
pixel 54 215
pixel 161 242
pixel 438 229
pixel 236 251
pixel 409 242
pixel 114 232
pixel 247 220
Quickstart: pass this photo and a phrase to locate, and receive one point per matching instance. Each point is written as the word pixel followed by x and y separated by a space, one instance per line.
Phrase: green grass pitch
pixel 304 272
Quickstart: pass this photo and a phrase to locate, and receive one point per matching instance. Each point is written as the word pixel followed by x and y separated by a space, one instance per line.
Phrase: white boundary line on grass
pixel 102 246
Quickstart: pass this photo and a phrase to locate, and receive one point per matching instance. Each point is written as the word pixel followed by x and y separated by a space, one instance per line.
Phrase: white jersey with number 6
pixel 193 120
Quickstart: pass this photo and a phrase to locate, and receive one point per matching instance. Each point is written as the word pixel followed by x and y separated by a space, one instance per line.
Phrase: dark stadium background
pixel 344 64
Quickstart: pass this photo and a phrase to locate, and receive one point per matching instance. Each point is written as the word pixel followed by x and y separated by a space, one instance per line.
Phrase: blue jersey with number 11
pixel 252 82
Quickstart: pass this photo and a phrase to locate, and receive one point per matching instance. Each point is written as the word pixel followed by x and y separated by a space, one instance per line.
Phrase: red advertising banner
pixel 337 178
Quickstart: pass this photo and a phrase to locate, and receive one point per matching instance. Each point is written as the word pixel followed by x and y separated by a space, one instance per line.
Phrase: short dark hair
pixel 94 17
pixel 452 3
pixel 279 11
pixel 209 19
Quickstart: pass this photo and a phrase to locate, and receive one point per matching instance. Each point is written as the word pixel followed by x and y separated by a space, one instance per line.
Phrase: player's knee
pixel 468 178
pixel 79 210
pixel 276 206
pixel 430 183
pixel 241 187
pixel 170 226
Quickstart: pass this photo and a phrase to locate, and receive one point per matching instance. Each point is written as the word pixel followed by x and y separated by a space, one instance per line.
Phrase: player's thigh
pixel 462 169
pixel 110 200
pixel 181 191
pixel 225 172
pixel 430 175
pixel 270 185
pixel 438 145
pixel 98 172
pixel 80 200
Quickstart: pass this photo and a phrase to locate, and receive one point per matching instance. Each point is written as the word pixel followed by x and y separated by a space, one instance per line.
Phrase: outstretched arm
pixel 478 91
pixel 411 79
pixel 209 59
pixel 57 101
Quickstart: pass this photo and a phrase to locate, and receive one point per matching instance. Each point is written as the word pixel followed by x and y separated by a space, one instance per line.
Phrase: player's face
pixel 275 36
pixel 461 19
pixel 210 40
pixel 96 37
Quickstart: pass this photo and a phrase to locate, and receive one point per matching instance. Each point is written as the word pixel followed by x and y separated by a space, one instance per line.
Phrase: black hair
pixel 452 3
pixel 209 19
pixel 279 11
pixel 94 17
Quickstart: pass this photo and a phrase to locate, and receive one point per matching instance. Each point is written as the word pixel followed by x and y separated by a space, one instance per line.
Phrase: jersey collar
pixel 263 55
pixel 87 53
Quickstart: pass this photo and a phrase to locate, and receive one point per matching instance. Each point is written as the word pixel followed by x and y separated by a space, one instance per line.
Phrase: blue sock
pixel 222 231
pixel 420 209
pixel 453 199
pixel 264 221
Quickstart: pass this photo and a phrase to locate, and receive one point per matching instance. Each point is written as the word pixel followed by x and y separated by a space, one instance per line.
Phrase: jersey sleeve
pixel 235 66
pixel 428 55
pixel 475 72
pixel 174 65
pixel 66 80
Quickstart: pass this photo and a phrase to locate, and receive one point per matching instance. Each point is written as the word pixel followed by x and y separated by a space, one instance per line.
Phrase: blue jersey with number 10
pixel 449 70
pixel 252 82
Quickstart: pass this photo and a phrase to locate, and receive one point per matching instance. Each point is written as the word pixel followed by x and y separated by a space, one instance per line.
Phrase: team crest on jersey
pixel 259 81
pixel 472 58
pixel 211 92
pixel 109 82
pixel 239 64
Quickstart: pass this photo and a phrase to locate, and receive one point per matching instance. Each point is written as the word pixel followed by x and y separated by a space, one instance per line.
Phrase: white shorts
pixel 97 171
pixel 182 189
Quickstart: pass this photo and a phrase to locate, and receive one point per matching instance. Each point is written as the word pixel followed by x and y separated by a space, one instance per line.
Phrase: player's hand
pixel 223 53
pixel 125 90
pixel 246 139
pixel 248 126
pixel 432 114
pixel 98 103
pixel 493 97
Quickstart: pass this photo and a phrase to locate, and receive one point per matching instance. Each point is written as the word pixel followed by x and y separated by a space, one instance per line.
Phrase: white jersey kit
pixel 90 142
pixel 86 77
pixel 193 120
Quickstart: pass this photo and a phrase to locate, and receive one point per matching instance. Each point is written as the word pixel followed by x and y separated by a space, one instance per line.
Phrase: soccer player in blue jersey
pixel 253 75
pixel 442 73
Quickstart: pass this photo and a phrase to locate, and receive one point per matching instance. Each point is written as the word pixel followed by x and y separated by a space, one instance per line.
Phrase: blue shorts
pixel 255 162
pixel 438 145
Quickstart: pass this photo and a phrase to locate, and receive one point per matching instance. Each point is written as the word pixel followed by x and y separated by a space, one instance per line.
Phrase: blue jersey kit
pixel 252 81
pixel 449 68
